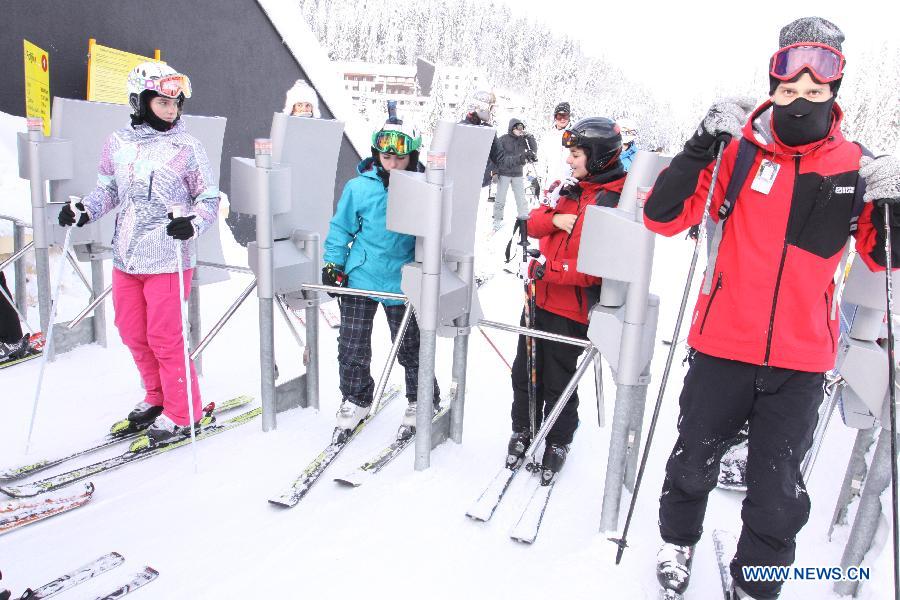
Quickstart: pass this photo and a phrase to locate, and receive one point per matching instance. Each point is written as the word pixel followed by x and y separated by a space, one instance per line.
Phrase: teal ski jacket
pixel 359 240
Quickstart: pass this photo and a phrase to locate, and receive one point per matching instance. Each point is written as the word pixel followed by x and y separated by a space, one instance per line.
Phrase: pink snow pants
pixel 148 316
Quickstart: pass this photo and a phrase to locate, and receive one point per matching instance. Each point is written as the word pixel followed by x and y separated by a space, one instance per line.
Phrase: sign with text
pixel 108 70
pixel 37 84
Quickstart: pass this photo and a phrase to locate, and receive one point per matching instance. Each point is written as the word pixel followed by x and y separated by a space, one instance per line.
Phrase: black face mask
pixel 812 125
pixel 146 114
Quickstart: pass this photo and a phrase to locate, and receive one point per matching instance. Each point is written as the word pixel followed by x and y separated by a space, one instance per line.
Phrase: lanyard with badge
pixel 765 176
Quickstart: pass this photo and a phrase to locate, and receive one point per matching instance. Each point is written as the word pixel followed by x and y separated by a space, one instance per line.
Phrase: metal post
pixel 638 403
pixel 392 356
pixel 195 325
pixel 221 322
pixel 264 292
pixel 312 242
pixel 819 434
pixel 466 272
pixel 868 513
pixel 631 392
pixel 74 264
pixel 431 290
pixel 21 288
pixel 853 478
pixel 282 308
pixel 41 235
pixel 97 301
pixel 598 389
pixel 98 286
pixel 16 256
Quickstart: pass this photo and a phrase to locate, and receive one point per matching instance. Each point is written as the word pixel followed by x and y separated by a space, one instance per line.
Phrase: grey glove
pixel 882 177
pixel 727 116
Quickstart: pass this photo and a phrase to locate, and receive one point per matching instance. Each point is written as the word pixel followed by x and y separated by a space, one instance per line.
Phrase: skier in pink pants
pixel 149 171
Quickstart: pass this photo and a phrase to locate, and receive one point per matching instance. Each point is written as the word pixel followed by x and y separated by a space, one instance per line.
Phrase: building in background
pixel 416 88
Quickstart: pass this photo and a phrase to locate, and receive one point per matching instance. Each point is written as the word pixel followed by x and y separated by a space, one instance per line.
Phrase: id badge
pixel 765 177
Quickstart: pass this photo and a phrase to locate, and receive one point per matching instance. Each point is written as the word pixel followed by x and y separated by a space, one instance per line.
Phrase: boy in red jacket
pixel 562 293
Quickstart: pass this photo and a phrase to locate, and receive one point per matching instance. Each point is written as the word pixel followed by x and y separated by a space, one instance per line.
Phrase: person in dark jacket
pixel 561 292
pixel 517 148
pixel 764 330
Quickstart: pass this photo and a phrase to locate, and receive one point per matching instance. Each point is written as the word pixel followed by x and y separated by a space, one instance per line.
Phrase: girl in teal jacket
pixel 361 253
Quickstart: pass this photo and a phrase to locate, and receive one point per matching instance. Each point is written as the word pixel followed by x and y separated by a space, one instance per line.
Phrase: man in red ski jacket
pixel 764 328
pixel 562 294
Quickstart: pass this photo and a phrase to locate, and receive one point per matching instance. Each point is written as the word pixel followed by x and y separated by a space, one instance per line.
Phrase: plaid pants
pixel 355 349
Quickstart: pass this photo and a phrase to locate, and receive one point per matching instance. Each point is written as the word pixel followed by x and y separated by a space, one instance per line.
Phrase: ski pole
pixel 892 392
pixel 189 381
pixel 699 241
pixel 530 345
pixel 54 304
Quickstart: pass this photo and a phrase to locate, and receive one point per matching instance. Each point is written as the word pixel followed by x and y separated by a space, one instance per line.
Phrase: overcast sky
pixel 705 44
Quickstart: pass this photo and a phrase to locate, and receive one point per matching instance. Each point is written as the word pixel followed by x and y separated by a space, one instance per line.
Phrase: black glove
pixel 67 216
pixel 181 228
pixel 334 276
pixel 530 156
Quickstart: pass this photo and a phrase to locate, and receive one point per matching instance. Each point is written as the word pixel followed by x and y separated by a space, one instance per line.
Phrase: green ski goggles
pixel 395 142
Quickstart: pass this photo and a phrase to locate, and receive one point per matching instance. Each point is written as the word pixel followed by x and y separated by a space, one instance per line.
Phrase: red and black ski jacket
pixel 563 290
pixel 773 282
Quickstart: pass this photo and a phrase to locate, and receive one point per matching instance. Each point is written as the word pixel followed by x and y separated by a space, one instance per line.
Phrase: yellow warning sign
pixel 108 70
pixel 37 84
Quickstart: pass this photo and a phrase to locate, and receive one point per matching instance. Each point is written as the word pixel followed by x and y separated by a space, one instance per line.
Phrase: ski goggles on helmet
pixel 170 86
pixel 824 62
pixel 394 142
pixel 571 139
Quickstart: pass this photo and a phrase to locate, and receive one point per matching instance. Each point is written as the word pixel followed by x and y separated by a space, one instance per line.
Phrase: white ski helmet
pixel 482 104
pixel 301 91
pixel 629 130
pixel 157 77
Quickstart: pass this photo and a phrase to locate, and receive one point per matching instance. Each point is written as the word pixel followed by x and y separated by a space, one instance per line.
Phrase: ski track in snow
pixel 214 535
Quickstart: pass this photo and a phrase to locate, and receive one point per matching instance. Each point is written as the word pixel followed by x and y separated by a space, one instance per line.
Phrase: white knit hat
pixel 301 92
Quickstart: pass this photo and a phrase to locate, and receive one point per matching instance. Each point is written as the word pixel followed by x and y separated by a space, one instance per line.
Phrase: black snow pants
pixel 10 328
pixel 355 349
pixel 556 363
pixel 781 405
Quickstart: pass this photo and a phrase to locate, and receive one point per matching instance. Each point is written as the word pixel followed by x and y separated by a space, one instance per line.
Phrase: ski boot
pixel 673 569
pixel 515 451
pixel 15 350
pixel 408 425
pixel 350 414
pixel 733 468
pixel 553 461
pixel 163 431
pixel 139 418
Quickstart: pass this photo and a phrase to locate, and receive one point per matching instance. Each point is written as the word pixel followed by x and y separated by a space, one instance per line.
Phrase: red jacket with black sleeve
pixel 562 289
pixel 773 283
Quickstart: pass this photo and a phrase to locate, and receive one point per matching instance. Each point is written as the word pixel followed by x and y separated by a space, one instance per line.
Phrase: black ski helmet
pixel 599 137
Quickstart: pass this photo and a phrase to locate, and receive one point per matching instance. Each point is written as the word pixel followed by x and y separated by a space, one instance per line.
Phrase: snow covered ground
pixel 404 533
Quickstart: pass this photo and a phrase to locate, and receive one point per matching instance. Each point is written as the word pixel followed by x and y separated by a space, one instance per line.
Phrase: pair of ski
pixel 532 512
pixel 110 439
pixel 19 513
pixel 725 544
pixel 298 489
pixel 89 571
pixel 63 479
